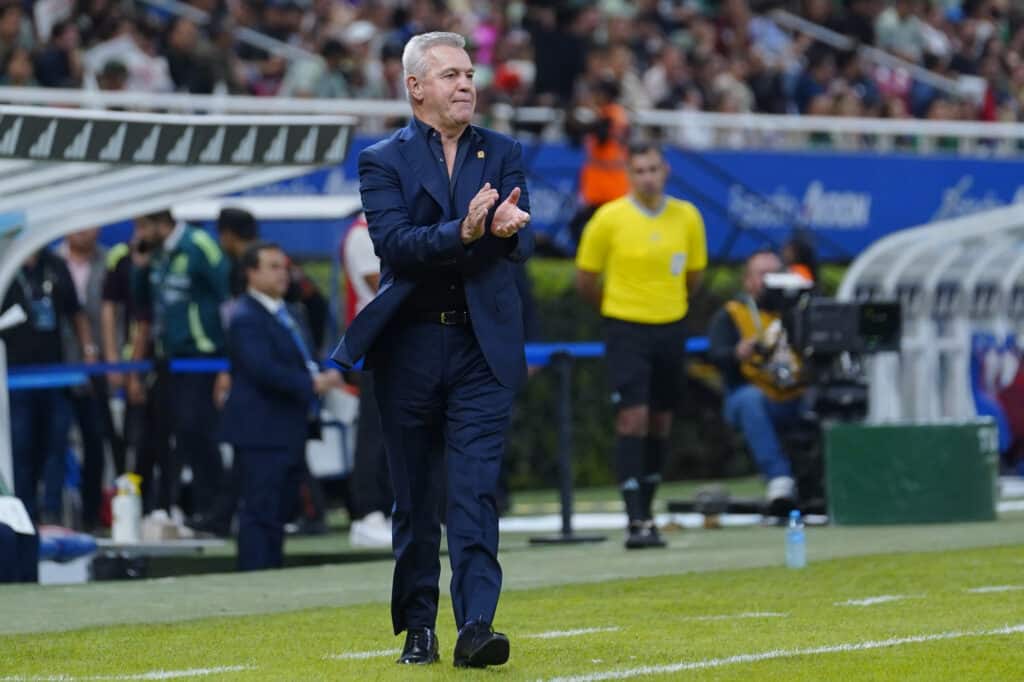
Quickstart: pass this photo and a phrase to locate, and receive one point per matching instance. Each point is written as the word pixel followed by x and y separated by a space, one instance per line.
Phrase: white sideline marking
pixel 1010 506
pixel 785 653
pixel 360 655
pixel 995 588
pixel 871 601
pixel 151 675
pixel 555 634
pixel 736 616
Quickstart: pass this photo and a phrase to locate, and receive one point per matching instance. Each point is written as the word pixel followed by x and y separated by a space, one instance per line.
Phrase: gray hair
pixel 414 56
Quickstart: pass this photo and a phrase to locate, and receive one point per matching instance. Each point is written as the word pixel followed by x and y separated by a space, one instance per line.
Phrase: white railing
pixel 954 279
pixel 694 129
pixel 957 88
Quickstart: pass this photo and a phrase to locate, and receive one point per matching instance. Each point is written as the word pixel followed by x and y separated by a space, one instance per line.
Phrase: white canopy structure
pixel 63 170
pixel 292 207
pixel 956 279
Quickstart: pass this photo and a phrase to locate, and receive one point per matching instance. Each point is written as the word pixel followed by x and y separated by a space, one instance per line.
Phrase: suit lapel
pixel 471 176
pixel 427 170
pixel 277 328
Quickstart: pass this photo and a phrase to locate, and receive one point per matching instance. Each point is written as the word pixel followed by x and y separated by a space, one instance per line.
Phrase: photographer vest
pixel 773 367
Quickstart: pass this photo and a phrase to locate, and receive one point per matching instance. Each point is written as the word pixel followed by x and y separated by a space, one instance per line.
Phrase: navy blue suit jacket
pixel 271 387
pixel 414 231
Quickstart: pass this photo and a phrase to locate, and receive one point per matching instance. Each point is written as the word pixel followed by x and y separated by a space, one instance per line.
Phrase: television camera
pixel 831 338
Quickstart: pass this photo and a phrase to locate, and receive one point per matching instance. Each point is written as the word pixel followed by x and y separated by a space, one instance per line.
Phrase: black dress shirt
pixel 442 289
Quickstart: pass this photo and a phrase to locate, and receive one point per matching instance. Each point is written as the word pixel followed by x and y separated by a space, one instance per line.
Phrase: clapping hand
pixel 476 219
pixel 509 218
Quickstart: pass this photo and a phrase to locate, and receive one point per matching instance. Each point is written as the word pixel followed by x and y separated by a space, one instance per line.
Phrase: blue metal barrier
pixel 27 377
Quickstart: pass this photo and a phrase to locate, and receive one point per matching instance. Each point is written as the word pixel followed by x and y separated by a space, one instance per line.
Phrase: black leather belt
pixel 448 318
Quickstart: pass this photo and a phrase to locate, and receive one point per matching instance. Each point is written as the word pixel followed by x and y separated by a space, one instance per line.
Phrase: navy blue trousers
pixel 40 421
pixel 269 489
pixel 445 418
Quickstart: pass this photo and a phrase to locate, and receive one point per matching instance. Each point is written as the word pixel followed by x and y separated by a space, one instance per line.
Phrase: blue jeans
pixel 40 421
pixel 760 418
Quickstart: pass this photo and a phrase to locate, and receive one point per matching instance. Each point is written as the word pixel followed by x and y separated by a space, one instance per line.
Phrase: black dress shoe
pixel 479 646
pixel 420 647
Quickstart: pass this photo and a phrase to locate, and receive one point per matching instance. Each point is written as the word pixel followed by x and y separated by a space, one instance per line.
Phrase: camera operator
pixel 761 375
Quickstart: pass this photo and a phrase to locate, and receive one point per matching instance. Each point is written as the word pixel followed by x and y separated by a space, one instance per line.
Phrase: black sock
pixel 629 465
pixel 654 462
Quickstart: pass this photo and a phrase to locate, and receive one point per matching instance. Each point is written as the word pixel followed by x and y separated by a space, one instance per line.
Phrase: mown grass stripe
pixel 556 634
pixel 871 601
pixel 150 675
pixel 361 655
pixel 786 653
pixel 738 616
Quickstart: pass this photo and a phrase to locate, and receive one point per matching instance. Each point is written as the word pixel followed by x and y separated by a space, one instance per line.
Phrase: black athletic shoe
pixel 643 535
pixel 420 647
pixel 652 536
pixel 479 646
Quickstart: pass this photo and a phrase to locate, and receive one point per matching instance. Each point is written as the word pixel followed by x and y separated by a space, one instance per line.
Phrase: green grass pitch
pixel 872 604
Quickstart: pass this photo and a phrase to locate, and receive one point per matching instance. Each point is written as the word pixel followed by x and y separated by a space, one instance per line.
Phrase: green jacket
pixel 186 283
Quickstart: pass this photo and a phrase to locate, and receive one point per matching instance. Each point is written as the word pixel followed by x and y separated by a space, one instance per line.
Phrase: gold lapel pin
pixel 480 154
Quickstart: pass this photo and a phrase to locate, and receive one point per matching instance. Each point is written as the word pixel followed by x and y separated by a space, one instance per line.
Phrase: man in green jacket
pixel 184 281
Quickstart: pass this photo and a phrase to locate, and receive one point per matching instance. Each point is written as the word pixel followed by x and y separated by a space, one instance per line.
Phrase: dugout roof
pixel 63 170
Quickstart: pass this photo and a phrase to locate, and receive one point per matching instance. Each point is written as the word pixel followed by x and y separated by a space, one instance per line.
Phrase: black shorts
pixel 645 363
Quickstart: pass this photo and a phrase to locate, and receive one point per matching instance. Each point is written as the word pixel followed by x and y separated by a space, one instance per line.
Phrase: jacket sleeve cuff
pixel 450 234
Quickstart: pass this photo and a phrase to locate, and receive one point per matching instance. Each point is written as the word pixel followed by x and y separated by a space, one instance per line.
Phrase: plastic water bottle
pixel 796 542
pixel 127 510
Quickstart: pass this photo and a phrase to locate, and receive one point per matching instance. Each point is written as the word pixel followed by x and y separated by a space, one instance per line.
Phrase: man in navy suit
pixel 447 210
pixel 274 383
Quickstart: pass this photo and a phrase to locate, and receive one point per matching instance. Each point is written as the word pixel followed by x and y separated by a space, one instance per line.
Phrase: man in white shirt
pixel 370 492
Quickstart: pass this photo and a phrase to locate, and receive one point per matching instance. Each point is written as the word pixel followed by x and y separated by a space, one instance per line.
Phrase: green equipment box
pixel 911 473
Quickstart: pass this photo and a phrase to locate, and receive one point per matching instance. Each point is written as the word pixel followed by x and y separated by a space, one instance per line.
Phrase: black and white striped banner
pixel 44 134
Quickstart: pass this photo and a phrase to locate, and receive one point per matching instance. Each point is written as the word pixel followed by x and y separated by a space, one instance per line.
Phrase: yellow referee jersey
pixel 644 258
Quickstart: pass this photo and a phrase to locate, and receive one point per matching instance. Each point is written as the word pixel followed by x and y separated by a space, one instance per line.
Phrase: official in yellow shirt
pixel 638 260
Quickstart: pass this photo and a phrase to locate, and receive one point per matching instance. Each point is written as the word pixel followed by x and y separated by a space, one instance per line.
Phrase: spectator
pixel 86 262
pixel 135 47
pixel 274 382
pixel 185 281
pixel 737 59
pixel 17 68
pixel 560 36
pixel 364 73
pixel 814 82
pixel 899 30
pixel 113 77
pixel 59 65
pixel 665 75
pixel 126 328
pixel 187 59
pixel 858 22
pixel 41 418
pixel 323 77
pixel 761 377
pixel 15 29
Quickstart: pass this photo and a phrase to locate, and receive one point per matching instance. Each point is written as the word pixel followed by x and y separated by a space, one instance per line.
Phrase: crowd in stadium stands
pixel 724 56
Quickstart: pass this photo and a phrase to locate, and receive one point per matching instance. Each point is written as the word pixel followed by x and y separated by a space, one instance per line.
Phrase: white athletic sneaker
pixel 373 530
pixel 781 488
